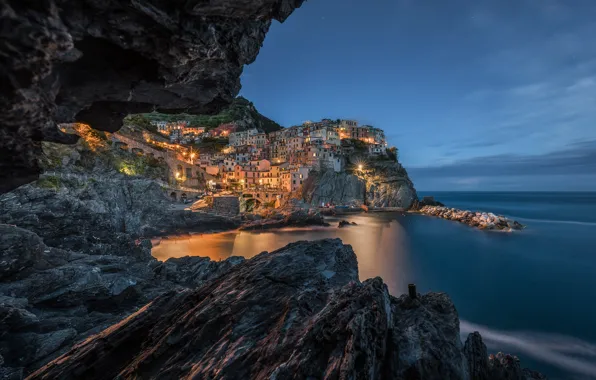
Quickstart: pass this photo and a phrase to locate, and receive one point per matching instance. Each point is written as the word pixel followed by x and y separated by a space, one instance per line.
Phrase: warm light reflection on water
pixel 380 244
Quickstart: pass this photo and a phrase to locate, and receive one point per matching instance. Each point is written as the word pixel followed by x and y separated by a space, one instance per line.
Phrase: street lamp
pixel 360 167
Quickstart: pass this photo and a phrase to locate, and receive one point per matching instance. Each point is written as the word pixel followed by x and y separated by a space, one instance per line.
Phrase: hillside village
pixel 237 157
pixel 253 159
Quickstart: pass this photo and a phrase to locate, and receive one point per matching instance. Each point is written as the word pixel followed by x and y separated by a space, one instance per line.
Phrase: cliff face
pixel 96 61
pixel 336 188
pixel 388 185
pixel 381 184
pixel 84 202
pixel 299 312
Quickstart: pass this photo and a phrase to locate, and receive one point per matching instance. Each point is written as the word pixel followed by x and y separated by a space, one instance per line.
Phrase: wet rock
pixel 426 338
pixel 194 271
pixel 45 345
pixel 294 214
pixel 19 250
pixel 13 318
pixel 428 201
pixel 45 308
pixel 477 356
pixel 345 223
pixel 298 312
pixel 11 373
pixel 328 212
pixel 483 221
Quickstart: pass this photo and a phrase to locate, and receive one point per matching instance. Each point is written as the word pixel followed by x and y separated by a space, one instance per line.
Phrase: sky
pixel 488 95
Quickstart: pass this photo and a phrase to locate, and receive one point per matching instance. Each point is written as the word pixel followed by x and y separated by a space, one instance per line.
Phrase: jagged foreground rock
pixel 296 313
pixel 51 298
pixel 96 61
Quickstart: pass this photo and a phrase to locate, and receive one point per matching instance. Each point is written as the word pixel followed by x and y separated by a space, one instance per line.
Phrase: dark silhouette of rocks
pixel 94 62
pixel 294 213
pixel 295 313
pixel 58 296
pixel 480 220
pixel 345 223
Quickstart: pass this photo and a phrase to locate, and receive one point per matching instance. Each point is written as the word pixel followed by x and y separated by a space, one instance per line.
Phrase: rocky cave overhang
pixel 95 61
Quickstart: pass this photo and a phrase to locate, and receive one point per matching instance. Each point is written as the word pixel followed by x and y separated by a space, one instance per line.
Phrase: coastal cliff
pixel 298 312
pixel 381 183
pixel 84 201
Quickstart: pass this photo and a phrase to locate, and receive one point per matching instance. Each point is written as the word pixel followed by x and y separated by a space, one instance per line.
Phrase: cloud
pixel 577 158
pixel 538 83
pixel 570 354
pixel 543 114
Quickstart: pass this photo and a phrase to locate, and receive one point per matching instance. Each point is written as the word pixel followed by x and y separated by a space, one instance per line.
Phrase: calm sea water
pixel 531 293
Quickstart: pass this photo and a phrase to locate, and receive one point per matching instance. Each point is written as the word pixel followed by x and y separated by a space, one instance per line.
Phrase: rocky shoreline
pixel 294 214
pixel 51 298
pixel 297 312
pixel 480 220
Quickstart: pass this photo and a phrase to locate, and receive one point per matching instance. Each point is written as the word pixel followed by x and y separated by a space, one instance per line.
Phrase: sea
pixel 531 293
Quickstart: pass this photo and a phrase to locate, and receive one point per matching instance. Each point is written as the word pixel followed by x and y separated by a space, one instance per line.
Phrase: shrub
pixel 49 182
pixel 393 153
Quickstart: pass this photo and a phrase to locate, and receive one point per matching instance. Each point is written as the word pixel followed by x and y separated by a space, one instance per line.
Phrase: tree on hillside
pixel 359 145
pixel 393 153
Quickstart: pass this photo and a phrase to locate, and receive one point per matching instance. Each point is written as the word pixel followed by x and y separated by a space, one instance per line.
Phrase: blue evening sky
pixel 477 95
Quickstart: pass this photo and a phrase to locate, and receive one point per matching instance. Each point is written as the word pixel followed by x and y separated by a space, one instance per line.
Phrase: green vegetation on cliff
pixel 241 111
pixel 95 153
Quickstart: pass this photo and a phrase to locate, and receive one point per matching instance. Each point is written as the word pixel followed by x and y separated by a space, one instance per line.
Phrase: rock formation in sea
pixel 299 312
pixel 95 61
pixel 345 223
pixel 481 220
pixel 382 184
pixel 294 213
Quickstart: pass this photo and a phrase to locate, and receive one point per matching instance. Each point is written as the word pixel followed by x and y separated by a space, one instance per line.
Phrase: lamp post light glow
pixel 360 167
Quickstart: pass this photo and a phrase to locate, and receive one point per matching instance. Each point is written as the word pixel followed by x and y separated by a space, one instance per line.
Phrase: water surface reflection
pixel 380 243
